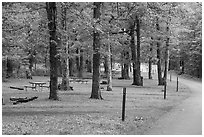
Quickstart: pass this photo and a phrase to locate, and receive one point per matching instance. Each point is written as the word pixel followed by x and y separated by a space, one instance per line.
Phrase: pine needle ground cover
pixel 76 114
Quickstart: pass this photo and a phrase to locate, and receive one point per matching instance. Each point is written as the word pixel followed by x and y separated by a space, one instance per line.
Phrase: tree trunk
pixel 126 71
pixel 31 58
pixel 160 80
pixel 200 68
pixel 71 67
pixel 122 70
pixel 166 61
pixel 81 64
pixel 52 15
pixel 133 50
pixel 106 65
pixel 166 52
pixel 109 70
pixel 89 66
pixel 150 60
pixel 96 93
pixel 65 60
pixel 130 67
pixel 77 61
pixel 138 73
pixel 125 65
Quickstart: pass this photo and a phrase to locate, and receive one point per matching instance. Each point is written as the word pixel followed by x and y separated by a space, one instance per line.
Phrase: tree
pixel 189 35
pixel 160 80
pixel 150 60
pixel 96 93
pixel 65 55
pixel 138 73
pixel 81 64
pixel 109 70
pixel 52 16
pixel 125 57
pixel 135 51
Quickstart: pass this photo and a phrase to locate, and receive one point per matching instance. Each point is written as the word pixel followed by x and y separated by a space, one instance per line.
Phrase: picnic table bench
pixel 35 85
pixel 78 80
pixel 29 86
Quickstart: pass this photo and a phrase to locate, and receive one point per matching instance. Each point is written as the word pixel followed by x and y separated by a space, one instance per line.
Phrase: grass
pixel 76 114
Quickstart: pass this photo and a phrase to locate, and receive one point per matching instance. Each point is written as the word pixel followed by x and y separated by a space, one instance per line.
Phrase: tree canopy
pixel 25 31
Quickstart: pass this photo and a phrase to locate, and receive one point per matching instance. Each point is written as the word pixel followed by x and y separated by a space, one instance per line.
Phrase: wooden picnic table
pixel 36 84
pixel 78 80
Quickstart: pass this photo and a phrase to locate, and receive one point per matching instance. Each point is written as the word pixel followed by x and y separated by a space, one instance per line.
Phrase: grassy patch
pixel 75 113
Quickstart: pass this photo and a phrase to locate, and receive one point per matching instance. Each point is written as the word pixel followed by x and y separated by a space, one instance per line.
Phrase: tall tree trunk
pixel 133 51
pixel 125 65
pixel 150 60
pixel 166 61
pixel 130 67
pixel 138 73
pixel 122 69
pixel 71 67
pixel 166 52
pixel 52 16
pixel 126 71
pixel 96 93
pixel 89 65
pixel 31 62
pixel 160 80
pixel 81 64
pixel 77 61
pixel 109 71
pixel 65 59
pixel 106 65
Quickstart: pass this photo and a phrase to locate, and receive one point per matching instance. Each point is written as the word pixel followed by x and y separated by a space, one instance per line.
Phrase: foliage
pixel 24 28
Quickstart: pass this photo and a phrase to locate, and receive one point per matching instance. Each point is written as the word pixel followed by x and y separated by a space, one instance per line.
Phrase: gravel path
pixel 186 118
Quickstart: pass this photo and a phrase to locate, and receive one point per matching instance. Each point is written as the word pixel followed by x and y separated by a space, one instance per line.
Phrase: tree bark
pixel 166 61
pixel 125 65
pixel 96 93
pixel 77 62
pixel 106 65
pixel 122 70
pixel 150 60
pixel 133 51
pixel 166 51
pixel 89 66
pixel 109 70
pixel 65 60
pixel 81 64
pixel 160 80
pixel 52 16
pixel 138 73
pixel 126 71
pixel 71 67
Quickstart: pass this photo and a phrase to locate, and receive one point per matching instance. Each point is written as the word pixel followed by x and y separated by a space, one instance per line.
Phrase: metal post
pixel 177 84
pixel 123 105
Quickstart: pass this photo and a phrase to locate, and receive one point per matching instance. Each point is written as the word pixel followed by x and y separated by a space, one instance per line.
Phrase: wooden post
pixel 165 89
pixel 123 105
pixel 177 84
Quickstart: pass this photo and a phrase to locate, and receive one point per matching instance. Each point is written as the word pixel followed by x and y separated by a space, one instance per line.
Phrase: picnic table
pixel 78 80
pixel 36 84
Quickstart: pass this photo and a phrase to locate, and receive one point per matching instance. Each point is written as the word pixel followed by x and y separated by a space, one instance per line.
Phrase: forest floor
pixel 76 114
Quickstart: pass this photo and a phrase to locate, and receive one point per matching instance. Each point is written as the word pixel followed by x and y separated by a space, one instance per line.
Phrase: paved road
pixel 184 119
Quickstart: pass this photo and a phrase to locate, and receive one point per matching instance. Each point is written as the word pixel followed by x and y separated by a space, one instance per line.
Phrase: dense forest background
pixel 129 33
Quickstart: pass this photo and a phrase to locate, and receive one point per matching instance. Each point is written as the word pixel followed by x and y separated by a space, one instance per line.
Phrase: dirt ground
pixel 76 114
